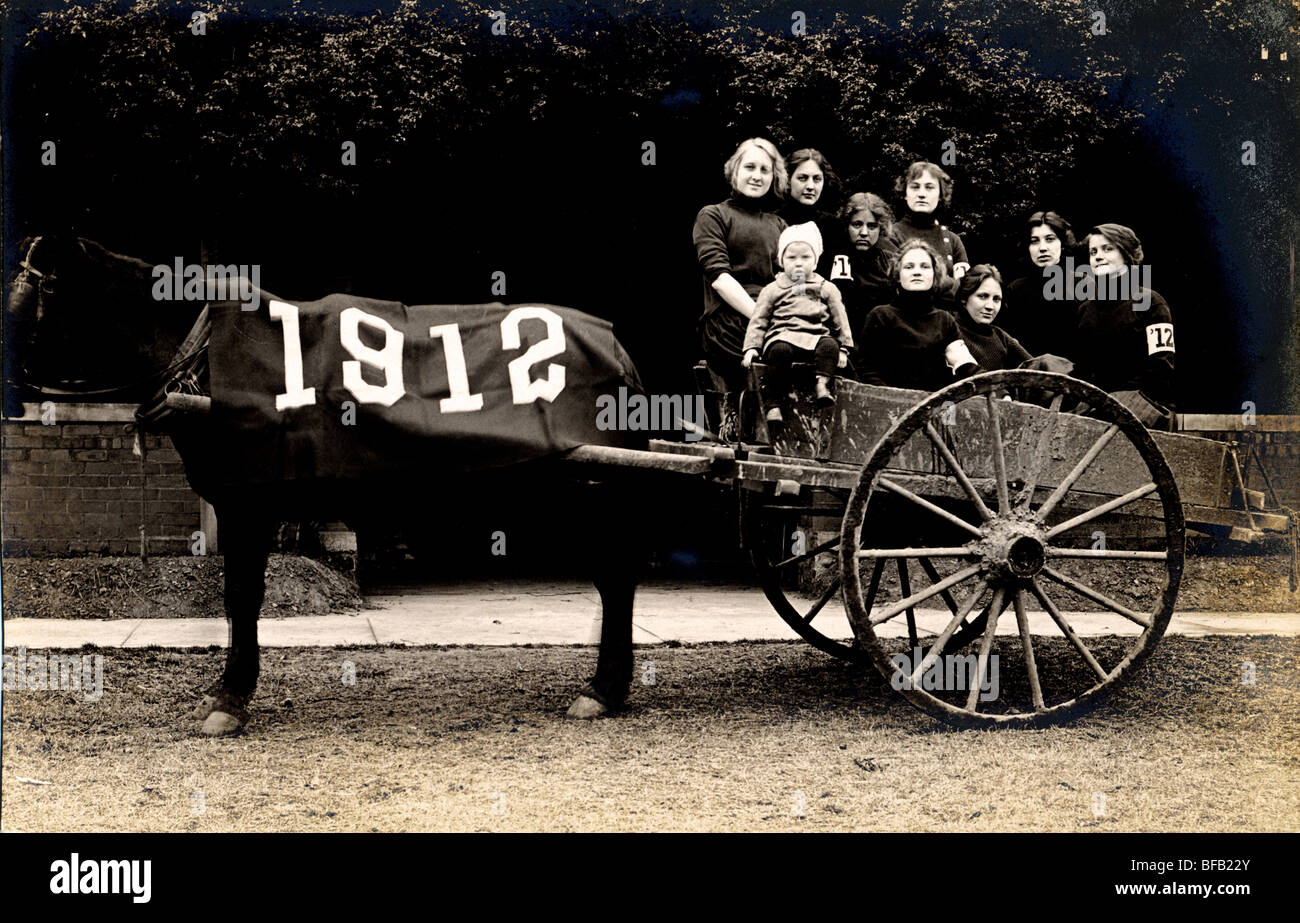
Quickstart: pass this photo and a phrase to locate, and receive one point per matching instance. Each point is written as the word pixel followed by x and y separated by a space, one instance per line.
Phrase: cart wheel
pixel 769 532
pixel 1011 557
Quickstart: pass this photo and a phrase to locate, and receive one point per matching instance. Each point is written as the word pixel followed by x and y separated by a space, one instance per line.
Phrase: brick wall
pixel 74 486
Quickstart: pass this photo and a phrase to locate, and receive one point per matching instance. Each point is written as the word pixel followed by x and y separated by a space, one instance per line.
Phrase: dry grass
pixel 730 737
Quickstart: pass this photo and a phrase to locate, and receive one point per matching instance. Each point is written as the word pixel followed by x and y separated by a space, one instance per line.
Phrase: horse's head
pixel 81 320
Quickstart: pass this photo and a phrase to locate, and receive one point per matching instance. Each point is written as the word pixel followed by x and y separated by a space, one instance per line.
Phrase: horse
pixel 78 314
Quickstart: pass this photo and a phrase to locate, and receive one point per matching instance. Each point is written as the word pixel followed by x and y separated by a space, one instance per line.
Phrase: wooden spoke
pixel 1040 453
pixel 962 552
pixel 1069 632
pixel 1027 642
pixel 1106 507
pixel 999 455
pixel 986 645
pixel 1064 487
pixel 1107 553
pixel 935 590
pixel 922 502
pixel 821 603
pixel 933 575
pixel 824 546
pixel 905 589
pixel 957 618
pixel 958 472
pixel 1138 617
pixel 875 583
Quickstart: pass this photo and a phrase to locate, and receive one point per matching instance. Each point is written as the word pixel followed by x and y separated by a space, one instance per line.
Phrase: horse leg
pixel 620 557
pixel 246 538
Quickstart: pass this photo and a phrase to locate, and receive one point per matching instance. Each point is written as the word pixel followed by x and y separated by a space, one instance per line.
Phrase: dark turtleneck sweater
pixel 1127 344
pixel 992 347
pixel 903 344
pixel 1042 324
pixel 737 236
pixel 862 276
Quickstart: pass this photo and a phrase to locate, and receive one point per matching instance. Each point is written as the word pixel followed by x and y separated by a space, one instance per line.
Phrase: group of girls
pixel 788 280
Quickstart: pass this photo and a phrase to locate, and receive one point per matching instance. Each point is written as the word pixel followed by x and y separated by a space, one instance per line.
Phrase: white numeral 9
pixel 524 389
pixel 389 359
pixel 295 395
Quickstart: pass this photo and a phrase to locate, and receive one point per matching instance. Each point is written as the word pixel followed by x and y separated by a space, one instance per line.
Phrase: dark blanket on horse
pixel 346 386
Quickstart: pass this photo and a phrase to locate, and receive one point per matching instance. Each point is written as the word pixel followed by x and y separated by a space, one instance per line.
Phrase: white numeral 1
pixel 295 395
pixel 522 387
pixel 457 375
pixel 388 359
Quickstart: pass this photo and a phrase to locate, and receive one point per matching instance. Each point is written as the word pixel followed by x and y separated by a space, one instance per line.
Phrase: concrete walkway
pixel 564 613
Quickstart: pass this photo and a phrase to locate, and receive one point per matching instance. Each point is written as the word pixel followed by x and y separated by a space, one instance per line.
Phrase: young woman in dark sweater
pixel 1125 339
pixel 1040 306
pixel 859 255
pixel 811 193
pixel 911 343
pixel 979 300
pixel 735 243
pixel 926 191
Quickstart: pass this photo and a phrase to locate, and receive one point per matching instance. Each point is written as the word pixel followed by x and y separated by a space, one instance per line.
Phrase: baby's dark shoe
pixel 823 392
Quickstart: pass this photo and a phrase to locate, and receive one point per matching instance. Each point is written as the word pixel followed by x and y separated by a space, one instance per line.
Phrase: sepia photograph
pixel 648 416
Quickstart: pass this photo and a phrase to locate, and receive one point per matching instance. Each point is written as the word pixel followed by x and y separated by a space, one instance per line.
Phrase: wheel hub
pixel 1012 548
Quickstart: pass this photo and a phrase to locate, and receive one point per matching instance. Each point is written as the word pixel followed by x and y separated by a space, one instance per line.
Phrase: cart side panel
pixel 864 413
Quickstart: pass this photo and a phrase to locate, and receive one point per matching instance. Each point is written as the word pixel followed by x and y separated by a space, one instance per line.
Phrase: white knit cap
pixel 807 233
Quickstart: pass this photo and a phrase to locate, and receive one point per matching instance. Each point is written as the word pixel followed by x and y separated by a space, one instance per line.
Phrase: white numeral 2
pixel 457 375
pixel 522 387
pixel 389 359
pixel 295 395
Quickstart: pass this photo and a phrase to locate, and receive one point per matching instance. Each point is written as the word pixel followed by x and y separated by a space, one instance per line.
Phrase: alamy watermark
pixel 75 875
pixel 191 282
pixel 55 673
pixel 656 412
pixel 1066 280
pixel 950 672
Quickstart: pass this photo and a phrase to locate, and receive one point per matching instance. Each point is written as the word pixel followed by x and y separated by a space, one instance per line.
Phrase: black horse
pixel 80 320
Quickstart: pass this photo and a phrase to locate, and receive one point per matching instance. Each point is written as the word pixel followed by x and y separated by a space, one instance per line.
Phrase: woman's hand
pixel 959 270
pixel 750 356
pixel 844 358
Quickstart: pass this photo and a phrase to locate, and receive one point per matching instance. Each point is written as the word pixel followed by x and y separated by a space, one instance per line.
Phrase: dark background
pixel 523 152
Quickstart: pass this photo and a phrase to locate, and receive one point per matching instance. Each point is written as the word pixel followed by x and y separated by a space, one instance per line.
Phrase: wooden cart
pixel 987 506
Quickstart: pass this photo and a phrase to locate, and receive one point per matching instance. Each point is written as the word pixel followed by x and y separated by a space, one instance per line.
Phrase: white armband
pixel 956 355
pixel 1160 338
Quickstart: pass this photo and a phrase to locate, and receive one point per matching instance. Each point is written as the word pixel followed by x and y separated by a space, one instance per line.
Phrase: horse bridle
pixel 45 286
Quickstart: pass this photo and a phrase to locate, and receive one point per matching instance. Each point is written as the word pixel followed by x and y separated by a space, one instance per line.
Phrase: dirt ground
pixel 754 736
pixel 186 586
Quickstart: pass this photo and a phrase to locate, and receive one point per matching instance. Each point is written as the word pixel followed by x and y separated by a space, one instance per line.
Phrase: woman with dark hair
pixel 926 190
pixel 1125 336
pixel 979 300
pixel 735 243
pixel 811 192
pixel 859 255
pixel 910 342
pixel 1040 306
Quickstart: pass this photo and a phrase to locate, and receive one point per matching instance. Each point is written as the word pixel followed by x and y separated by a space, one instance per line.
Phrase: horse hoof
pixel 205 707
pixel 584 706
pixel 220 723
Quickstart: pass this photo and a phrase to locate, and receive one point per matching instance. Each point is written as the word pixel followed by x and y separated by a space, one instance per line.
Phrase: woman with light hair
pixel 735 243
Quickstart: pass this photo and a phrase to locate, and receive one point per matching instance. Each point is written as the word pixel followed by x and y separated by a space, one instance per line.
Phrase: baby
pixel 798 318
